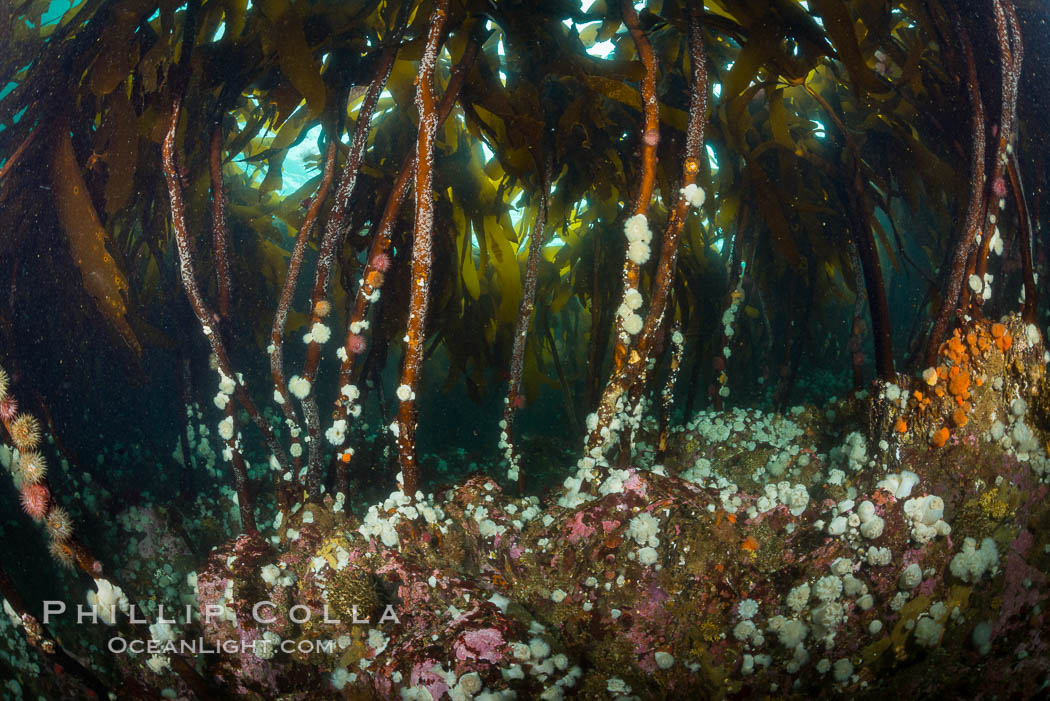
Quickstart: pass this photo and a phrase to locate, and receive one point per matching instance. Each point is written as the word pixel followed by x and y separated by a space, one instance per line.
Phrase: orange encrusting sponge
pixel 940 437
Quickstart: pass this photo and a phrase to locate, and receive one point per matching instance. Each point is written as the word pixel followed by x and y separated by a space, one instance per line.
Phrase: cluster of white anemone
pixel 628 311
pixel 318 333
pixel 636 229
pixel 639 237
pixel 728 317
pixel 694 194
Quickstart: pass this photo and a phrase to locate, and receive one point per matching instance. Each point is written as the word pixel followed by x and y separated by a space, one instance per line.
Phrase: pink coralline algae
pixel 479 644
pixel 578 530
pixel 426 674
pixel 1024 585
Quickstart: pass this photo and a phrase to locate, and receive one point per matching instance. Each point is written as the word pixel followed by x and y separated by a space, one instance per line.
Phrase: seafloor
pixel 878 545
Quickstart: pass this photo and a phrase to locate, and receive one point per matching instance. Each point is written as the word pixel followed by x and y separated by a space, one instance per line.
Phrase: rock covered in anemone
pixel 768 555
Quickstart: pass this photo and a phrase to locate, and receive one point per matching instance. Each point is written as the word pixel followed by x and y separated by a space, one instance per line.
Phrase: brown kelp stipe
pixel 422 245
pixel 378 263
pixel 863 242
pixel 230 382
pixel 632 362
pixel 670 382
pixel 1011 53
pixel 521 329
pixel 280 317
pixel 331 242
pixel 956 263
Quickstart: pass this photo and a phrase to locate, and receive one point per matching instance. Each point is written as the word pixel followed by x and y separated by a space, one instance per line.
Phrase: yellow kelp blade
pixel 87 239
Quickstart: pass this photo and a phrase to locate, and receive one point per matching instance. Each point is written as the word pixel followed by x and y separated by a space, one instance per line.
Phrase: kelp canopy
pixel 569 214
pixel 838 133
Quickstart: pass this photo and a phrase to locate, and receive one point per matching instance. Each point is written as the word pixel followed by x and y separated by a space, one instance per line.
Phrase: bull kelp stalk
pixel 639 241
pixel 331 243
pixel 1028 311
pixel 955 266
pixel 229 381
pixel 857 327
pixel 220 236
pixel 739 259
pixel 863 237
pixel 422 244
pixel 874 283
pixel 719 389
pixel 521 329
pixel 1011 53
pixel 38 636
pixel 667 264
pixel 667 394
pixel 220 241
pixel 13 158
pixel 650 140
pixel 281 394
pixel 634 362
pixel 378 262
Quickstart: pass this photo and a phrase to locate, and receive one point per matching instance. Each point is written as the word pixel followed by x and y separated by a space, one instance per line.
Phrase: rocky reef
pixel 822 552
